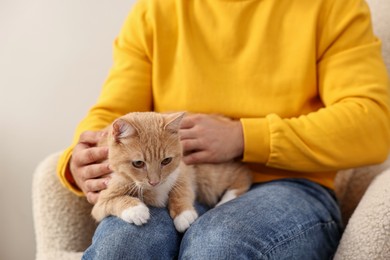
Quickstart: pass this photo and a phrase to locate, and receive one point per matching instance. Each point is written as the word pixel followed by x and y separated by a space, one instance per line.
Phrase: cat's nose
pixel 154 183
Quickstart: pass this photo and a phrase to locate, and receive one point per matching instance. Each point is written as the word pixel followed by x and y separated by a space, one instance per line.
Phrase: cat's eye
pixel 138 164
pixel 166 161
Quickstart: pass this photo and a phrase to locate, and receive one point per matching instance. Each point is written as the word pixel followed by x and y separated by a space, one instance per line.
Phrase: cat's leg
pixel 128 208
pixel 115 202
pixel 184 220
pixel 241 185
pixel 138 214
pixel 181 204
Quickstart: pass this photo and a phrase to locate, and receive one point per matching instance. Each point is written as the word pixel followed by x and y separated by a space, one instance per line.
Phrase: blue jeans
pixel 283 219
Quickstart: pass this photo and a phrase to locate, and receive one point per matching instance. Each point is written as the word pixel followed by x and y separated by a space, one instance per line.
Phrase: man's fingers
pixel 196 157
pixel 187 134
pixel 191 145
pixel 96 171
pixel 92 197
pixel 95 154
pixel 187 122
pixel 91 155
pixel 91 137
pixel 95 185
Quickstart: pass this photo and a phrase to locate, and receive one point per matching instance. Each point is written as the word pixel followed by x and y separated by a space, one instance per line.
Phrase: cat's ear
pixel 122 129
pixel 172 121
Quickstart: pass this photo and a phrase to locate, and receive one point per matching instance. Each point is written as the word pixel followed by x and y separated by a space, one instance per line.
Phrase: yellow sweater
pixel 305 78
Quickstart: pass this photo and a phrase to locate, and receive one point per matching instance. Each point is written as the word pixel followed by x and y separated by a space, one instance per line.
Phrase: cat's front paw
pixel 185 219
pixel 138 214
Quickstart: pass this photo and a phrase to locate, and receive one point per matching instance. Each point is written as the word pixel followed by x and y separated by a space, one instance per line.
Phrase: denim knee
pixel 280 220
pixel 117 239
pixel 215 238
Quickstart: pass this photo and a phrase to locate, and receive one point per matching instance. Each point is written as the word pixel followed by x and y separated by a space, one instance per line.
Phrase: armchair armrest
pixel 367 234
pixel 62 221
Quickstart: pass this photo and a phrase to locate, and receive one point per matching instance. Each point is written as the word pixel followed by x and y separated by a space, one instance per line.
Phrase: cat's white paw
pixel 138 214
pixel 185 219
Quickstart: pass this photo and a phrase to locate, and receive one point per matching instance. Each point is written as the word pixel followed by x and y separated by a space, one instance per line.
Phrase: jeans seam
pixel 302 232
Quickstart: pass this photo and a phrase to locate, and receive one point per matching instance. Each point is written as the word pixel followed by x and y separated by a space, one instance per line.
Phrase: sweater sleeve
pixel 127 88
pixel 353 128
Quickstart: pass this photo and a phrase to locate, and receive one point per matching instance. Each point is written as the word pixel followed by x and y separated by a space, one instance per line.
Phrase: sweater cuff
pixel 64 173
pixel 256 140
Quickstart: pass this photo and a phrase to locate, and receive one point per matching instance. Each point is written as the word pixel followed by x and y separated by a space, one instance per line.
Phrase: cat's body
pixel 145 155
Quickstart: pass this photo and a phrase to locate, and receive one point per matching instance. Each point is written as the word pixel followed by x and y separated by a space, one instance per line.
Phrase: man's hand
pixel 88 165
pixel 210 139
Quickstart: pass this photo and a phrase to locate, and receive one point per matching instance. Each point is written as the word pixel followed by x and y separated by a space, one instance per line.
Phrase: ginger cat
pixel 145 155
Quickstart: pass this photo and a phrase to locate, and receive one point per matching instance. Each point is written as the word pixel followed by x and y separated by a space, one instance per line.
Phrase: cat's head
pixel 145 147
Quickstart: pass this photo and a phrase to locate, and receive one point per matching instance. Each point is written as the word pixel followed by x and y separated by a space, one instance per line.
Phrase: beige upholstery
pixel 64 228
pixel 63 225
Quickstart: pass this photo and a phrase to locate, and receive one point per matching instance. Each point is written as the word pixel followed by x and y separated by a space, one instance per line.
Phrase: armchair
pixel 64 227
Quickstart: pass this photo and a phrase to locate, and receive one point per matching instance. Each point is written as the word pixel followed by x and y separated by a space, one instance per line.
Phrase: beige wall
pixel 54 57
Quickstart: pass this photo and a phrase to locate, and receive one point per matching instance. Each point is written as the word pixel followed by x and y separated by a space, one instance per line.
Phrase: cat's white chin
pixel 161 192
pixel 138 215
pixel 185 219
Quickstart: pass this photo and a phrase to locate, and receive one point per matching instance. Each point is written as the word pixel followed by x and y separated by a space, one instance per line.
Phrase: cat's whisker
pixel 140 193
pixel 132 189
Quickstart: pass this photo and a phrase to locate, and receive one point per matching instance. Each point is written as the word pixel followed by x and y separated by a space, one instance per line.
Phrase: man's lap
pixel 294 219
